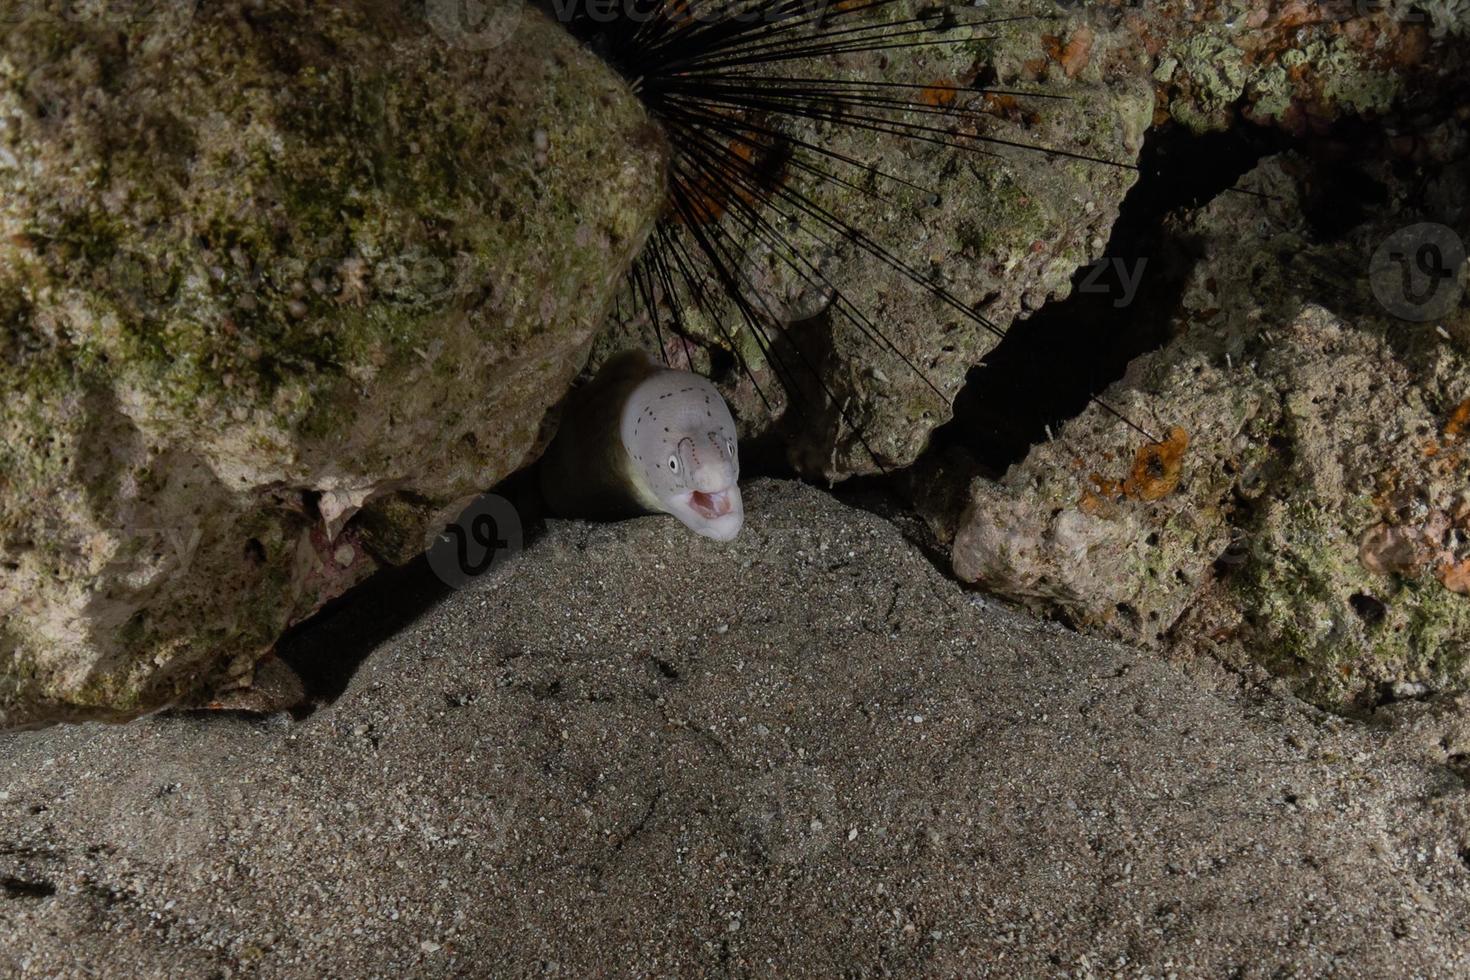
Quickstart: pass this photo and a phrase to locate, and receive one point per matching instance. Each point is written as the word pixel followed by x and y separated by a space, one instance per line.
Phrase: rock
pixel 1010 230
pixel 1293 65
pixel 260 266
pixel 622 784
pixel 1004 232
pixel 1310 506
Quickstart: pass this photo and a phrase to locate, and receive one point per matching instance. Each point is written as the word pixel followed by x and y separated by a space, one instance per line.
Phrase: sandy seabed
pixel 806 753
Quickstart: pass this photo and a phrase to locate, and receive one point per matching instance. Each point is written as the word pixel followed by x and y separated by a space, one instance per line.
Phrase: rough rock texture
pixel 1310 503
pixel 1005 230
pixel 1295 64
pixel 1012 228
pixel 260 264
pixel 806 750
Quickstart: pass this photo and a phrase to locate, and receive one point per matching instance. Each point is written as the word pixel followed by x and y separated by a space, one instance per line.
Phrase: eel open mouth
pixel 716 514
pixel 710 505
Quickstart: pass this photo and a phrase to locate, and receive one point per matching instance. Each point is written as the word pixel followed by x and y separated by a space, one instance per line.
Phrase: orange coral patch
pixel 1456 578
pixel 1156 472
pixel 710 195
pixel 1074 55
pixel 940 94
pixel 1158 468
pixel 1459 424
pixel 1093 505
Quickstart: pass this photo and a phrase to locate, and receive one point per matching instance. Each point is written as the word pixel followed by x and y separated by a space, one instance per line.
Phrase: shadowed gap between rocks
pixel 1050 366
pixel 1047 370
pixel 326 650
pixel 1125 305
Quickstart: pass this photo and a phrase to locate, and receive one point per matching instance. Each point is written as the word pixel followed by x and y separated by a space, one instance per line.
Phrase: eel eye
pixel 674 463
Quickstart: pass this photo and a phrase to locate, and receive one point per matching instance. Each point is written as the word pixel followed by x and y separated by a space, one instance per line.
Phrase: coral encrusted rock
pixel 263 265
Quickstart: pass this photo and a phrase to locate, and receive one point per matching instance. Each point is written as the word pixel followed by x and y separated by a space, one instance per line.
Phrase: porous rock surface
pixel 1007 229
pixel 1000 227
pixel 1308 505
pixel 1294 65
pixel 270 266
pixel 806 751
pixel 262 265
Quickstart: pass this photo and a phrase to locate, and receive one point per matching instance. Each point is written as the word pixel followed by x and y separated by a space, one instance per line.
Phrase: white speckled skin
pixel 644 438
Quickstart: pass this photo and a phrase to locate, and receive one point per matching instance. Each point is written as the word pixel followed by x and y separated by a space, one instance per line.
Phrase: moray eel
pixel 645 439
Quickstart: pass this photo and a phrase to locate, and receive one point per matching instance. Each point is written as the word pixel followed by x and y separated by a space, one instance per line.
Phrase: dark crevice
pixel 1052 365
pixel 13 887
pixel 1045 372
pixel 1371 610
pixel 327 649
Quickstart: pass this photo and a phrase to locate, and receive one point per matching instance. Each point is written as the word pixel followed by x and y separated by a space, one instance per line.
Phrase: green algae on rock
pixel 261 264
pixel 1321 525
